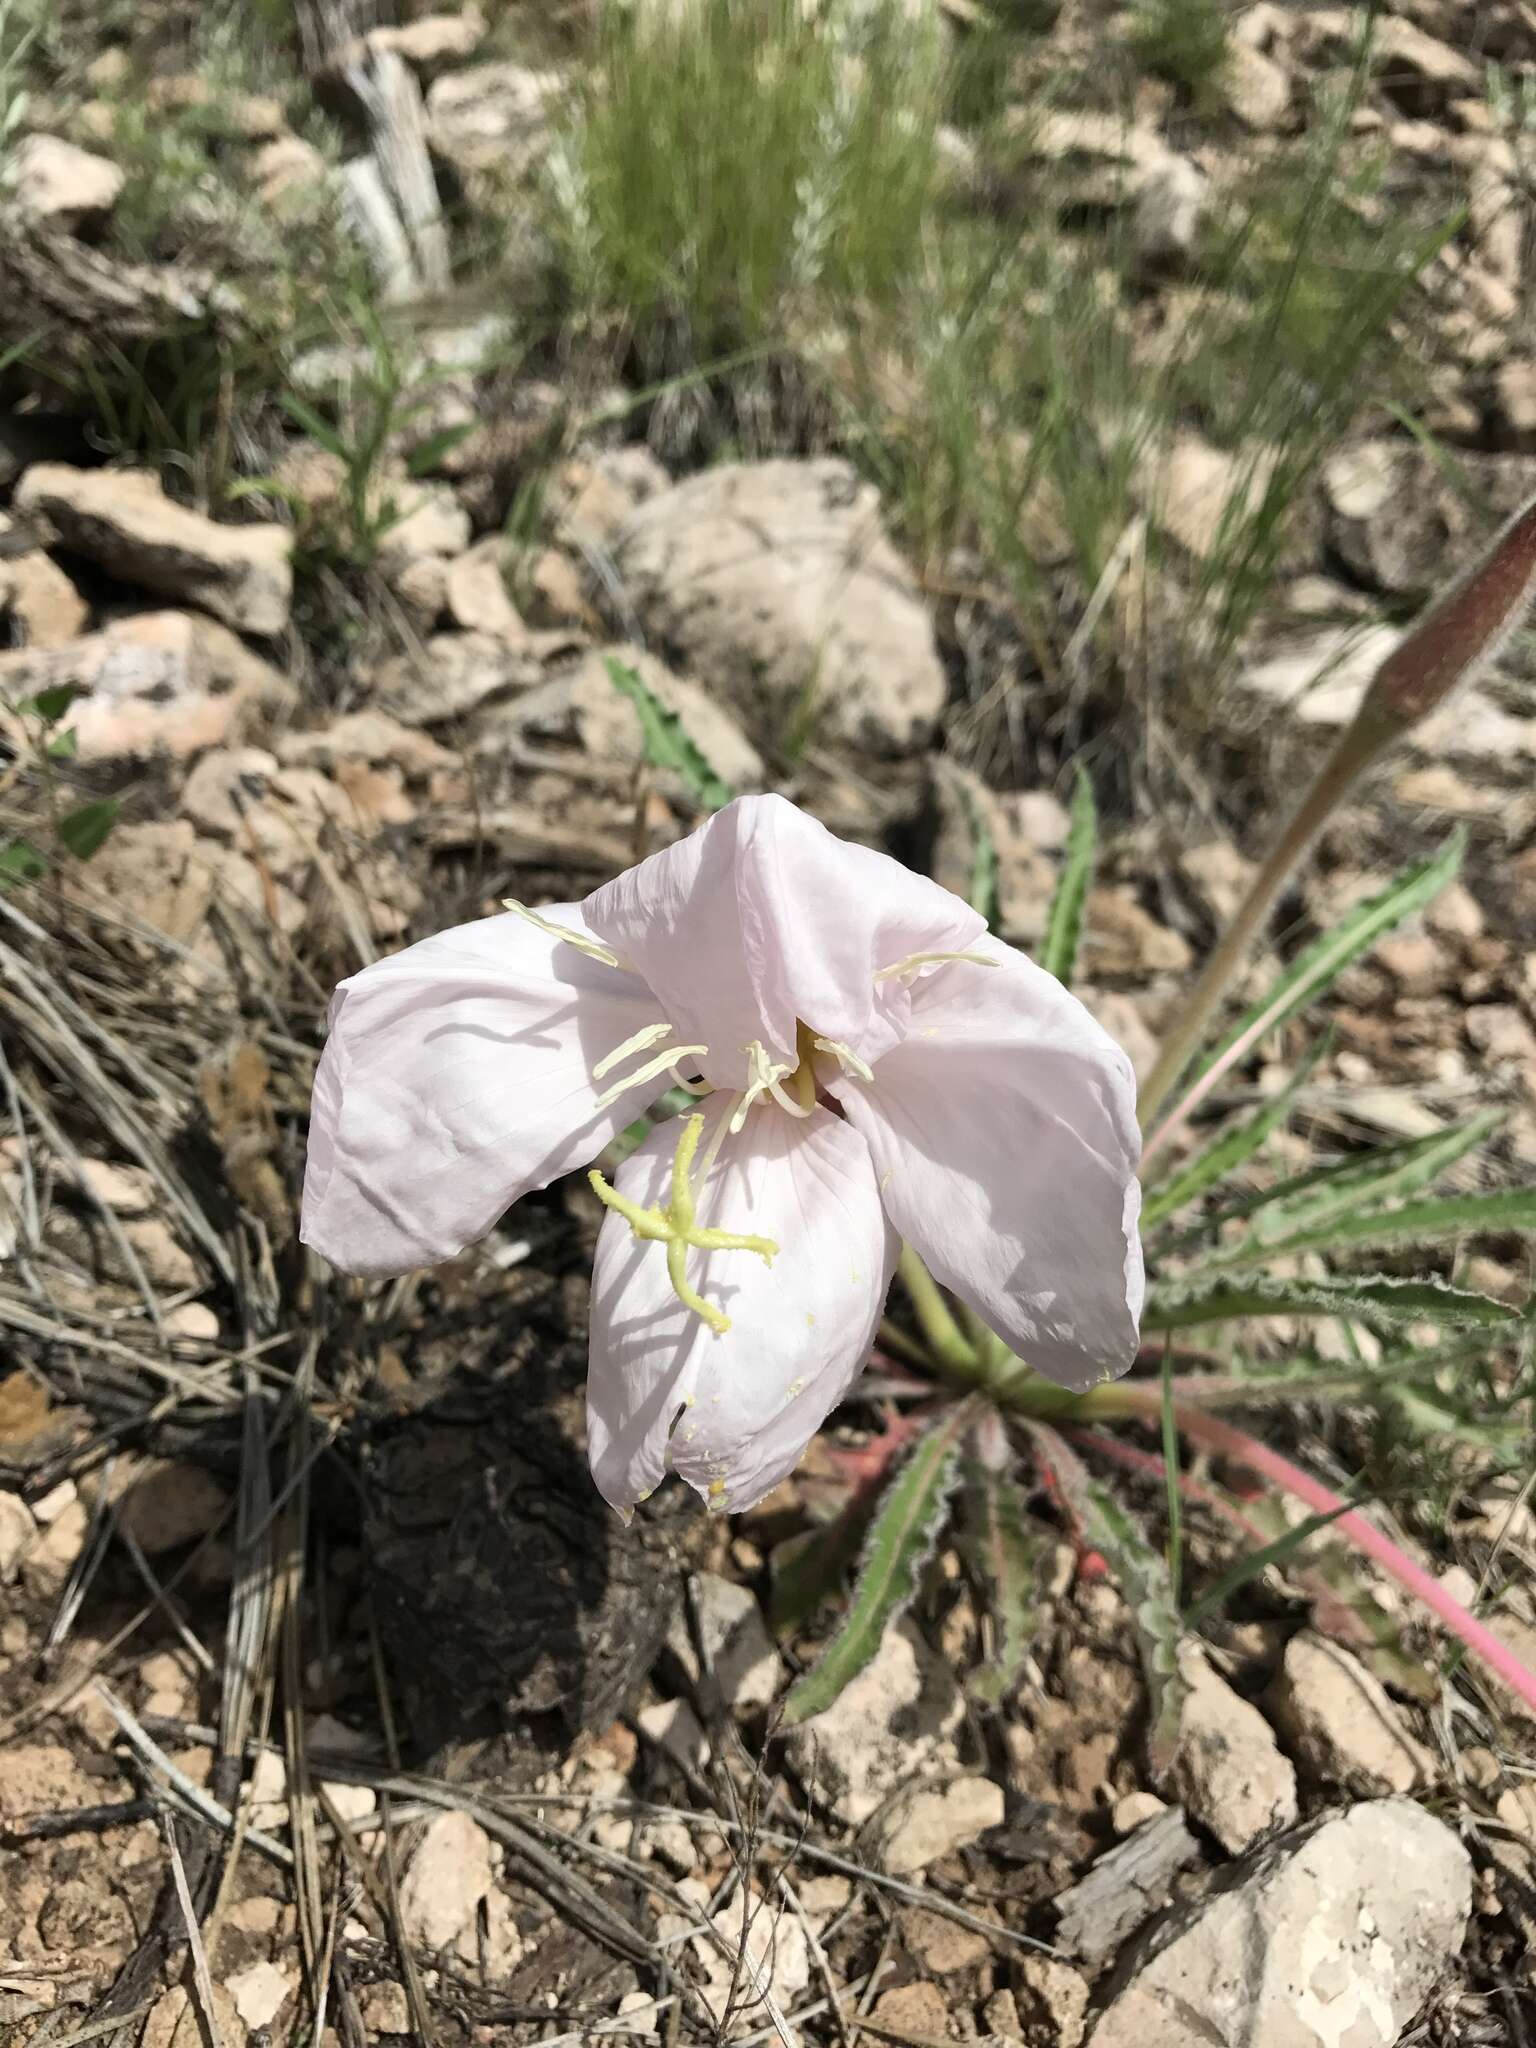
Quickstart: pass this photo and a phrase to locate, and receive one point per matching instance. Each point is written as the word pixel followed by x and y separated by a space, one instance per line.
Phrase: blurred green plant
pixel 74 833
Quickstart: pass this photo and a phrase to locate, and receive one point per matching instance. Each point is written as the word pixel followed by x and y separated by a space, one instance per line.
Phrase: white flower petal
pixel 457 1076
pixel 734 1412
pixel 1004 1136
pixel 761 918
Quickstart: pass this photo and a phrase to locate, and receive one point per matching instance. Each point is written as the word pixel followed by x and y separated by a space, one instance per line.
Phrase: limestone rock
pixel 476 594
pixel 17 1529
pixel 884 1729
pixel 164 1503
pixel 456 673
pixel 584 705
pixel 1332 1938
pixel 260 1992
pixel 176 2020
pixel 925 1822
pixel 449 1875
pixel 1052 2002
pixel 1337 1721
pixel 66 187
pixel 1228 1770
pixel 739 1651
pixel 1255 87
pixel 153 684
pixel 42 605
pixel 491 119
pixel 122 519
pixel 1197 493
pixel 775 582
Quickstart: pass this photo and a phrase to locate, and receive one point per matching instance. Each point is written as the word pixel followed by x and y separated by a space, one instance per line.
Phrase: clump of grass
pixel 1184 41
pixel 721 166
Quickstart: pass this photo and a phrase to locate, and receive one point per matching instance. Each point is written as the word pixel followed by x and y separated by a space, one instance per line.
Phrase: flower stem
pixel 1354 749
pixel 951 1347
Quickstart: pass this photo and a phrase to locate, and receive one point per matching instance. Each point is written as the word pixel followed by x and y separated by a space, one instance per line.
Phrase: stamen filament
pixel 582 941
pixel 914 961
pixel 648 1034
pixel 647 1072
pixel 782 1097
pixel 845 1055
pixel 678 1228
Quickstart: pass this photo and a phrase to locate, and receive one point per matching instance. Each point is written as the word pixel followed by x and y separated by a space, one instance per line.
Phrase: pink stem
pixel 1150 1463
pixel 1481 1641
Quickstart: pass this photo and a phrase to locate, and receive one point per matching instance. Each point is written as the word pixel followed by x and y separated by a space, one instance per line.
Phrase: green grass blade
pixel 1325 960
pixel 667 744
pixel 1415 1223
pixel 84 831
pixel 1007 1549
pixel 1386 1174
pixel 1247 1568
pixel 901 1540
pixel 1064 930
pixel 983 890
pixel 1374 1298
pixel 1230 1151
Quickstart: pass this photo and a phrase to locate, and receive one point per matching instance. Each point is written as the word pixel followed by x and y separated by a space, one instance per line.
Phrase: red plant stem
pixel 1150 1463
pixel 1480 1640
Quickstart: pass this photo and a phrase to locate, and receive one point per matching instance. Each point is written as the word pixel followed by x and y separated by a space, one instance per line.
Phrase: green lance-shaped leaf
pixel 1375 1298
pixel 1140 1570
pixel 85 831
pixel 1233 1149
pixel 1009 1551
pixel 1326 958
pixel 1064 929
pixel 667 744
pixel 901 1540
pixel 1432 1221
pixel 1367 1180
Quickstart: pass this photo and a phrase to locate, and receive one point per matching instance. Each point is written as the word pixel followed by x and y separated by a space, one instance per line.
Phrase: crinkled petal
pixel 733 1413
pixel 457 1076
pixel 763 917
pixel 1003 1130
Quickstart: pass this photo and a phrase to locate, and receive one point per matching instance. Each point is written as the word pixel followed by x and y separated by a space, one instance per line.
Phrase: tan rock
pixel 1338 1723
pixel 154 683
pixel 941 1946
pixel 67 187
pixel 1500 1032
pixel 1199 494
pixel 919 2010
pixel 476 593
pixel 123 520
pixel 260 1992
pixel 43 1777
pixel 17 1531
pixel 125 1190
pixel 1255 87
pixel 1228 1769
pixel 163 1259
pixel 384 2008
pixel 449 1875
pixel 894 1720
pixel 1134 1810
pixel 777 582
pixel 455 674
pixel 490 120
pixel 1123 941
pixel 176 2021
pixel 368 736
pixel 164 1503
pixel 43 606
pixel 285 166
pixel 1052 2001
pixel 924 1822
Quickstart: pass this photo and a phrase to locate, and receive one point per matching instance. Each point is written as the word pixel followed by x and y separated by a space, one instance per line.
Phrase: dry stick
pixel 1459 634
pixel 415 1990
pixel 200 1977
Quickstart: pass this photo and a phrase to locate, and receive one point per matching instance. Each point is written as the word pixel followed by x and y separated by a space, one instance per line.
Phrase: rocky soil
pixel 331 1702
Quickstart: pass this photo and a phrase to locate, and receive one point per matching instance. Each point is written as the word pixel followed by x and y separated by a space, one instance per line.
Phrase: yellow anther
pixel 846 1057
pixel 678 1228
pixel 899 969
pixel 647 1036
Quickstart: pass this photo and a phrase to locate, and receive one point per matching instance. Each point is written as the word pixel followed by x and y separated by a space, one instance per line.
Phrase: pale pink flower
pixel 872 1067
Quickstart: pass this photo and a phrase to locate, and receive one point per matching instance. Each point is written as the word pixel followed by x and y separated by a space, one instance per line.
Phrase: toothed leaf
pixel 1009 1552
pixel 1140 1570
pixel 901 1541
pixel 667 744
pixel 1374 1298
pixel 1230 1151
